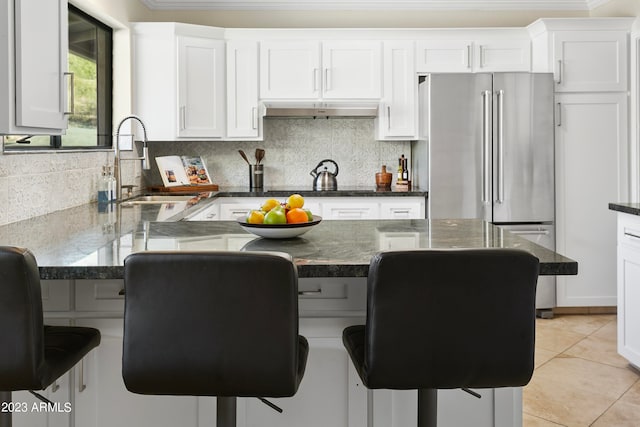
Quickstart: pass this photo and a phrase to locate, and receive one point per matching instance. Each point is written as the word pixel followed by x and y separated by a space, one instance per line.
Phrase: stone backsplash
pixel 293 148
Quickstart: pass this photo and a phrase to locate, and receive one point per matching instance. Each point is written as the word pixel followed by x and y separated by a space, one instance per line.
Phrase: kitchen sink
pixel 147 200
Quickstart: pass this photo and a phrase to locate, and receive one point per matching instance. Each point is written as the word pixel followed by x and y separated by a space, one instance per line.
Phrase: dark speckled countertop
pixel 630 208
pixel 91 242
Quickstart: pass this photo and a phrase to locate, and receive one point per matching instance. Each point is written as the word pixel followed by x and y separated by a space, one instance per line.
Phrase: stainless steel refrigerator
pixel 487 151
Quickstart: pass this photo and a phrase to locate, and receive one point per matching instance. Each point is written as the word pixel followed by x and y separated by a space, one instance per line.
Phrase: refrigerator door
pixel 523 148
pixel 543 235
pixel 459 108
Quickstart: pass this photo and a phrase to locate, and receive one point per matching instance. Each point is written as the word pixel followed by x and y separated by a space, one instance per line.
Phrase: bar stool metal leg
pixel 226 412
pixel 427 407
pixel 5 414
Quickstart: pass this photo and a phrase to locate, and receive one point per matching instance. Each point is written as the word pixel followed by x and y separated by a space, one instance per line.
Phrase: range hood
pixel 319 110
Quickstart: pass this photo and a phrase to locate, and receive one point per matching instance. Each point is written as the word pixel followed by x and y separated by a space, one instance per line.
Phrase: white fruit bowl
pixel 279 231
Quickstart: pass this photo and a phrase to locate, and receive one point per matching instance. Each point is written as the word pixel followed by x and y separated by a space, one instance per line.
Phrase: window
pixel 90 59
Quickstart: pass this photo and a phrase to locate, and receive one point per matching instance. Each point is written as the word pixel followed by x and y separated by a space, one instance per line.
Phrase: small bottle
pixel 103 187
pixel 111 184
pixel 399 169
pixel 405 169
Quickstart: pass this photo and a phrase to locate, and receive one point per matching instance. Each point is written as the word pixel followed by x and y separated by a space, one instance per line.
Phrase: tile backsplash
pixel 293 148
pixel 39 183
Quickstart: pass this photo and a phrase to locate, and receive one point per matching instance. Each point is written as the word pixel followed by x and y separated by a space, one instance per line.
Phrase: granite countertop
pixel 630 208
pixel 90 242
pixel 309 192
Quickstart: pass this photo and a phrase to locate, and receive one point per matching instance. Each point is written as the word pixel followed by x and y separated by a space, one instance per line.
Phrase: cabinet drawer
pixel 209 213
pixel 100 295
pixel 629 230
pixel 56 295
pixel 330 294
pixel 401 210
pixel 349 211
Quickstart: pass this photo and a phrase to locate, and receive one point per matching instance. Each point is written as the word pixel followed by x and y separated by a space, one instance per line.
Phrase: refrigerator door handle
pixel 500 142
pixel 486 138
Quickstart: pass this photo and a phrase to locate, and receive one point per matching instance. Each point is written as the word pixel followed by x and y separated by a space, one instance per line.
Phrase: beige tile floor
pixel 579 378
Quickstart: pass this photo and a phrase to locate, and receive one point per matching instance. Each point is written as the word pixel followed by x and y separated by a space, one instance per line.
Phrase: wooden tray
pixel 184 188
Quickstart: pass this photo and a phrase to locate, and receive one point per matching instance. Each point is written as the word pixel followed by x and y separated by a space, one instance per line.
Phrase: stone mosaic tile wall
pixel 293 148
pixel 39 183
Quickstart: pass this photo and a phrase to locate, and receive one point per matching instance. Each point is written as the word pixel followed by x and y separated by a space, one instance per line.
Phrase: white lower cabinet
pixel 330 393
pixel 629 287
pixel 350 210
pixel 106 402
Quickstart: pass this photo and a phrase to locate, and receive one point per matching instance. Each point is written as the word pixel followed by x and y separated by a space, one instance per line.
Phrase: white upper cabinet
pixel 312 70
pixel 34 81
pixel 498 53
pixel 352 69
pixel 179 80
pixel 398 113
pixel 444 55
pixel 290 70
pixel 502 55
pixel 590 61
pixel 201 87
pixel 585 55
pixel 242 90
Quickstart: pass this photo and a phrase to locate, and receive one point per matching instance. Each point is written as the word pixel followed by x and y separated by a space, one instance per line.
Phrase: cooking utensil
pixel 259 155
pixel 325 180
pixel 244 156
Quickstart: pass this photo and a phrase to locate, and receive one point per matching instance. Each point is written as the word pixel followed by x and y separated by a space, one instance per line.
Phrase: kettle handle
pixel 314 172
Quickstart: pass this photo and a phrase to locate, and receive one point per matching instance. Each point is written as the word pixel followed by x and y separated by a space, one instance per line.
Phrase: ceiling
pixel 373 4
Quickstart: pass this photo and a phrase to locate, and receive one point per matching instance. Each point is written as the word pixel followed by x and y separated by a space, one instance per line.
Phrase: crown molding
pixel 373 4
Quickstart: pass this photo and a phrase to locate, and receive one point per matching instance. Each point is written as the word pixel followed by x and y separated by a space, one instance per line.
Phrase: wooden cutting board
pixel 184 188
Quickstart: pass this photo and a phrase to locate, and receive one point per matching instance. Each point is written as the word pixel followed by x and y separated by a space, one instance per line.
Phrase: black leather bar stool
pixel 32 355
pixel 445 319
pixel 219 324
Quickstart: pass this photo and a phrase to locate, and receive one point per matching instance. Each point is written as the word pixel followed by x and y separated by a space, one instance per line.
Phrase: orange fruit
pixel 296 215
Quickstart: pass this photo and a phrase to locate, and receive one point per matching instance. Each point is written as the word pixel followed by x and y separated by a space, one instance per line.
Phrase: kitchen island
pixel 81 251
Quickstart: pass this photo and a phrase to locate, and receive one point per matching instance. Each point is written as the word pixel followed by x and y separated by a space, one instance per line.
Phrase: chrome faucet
pixel 117 159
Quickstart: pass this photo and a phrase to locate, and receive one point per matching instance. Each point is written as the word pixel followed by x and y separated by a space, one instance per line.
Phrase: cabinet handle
pixel 183 117
pixel 315 292
pixel 633 235
pixel 71 93
pixel 468 56
pixel 559 71
pixel 559 115
pixel 388 117
pixel 254 118
pixel 481 56
pixel 121 292
pixel 81 385
pixel 315 79
pixel 327 79
pixel 54 386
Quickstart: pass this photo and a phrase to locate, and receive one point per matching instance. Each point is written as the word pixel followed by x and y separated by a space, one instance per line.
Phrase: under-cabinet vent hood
pixel 320 110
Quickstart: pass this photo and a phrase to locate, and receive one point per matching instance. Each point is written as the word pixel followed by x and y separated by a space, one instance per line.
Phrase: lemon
pixel 295 201
pixel 269 204
pixel 255 217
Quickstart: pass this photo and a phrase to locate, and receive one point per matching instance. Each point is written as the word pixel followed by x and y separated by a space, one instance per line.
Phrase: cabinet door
pixel 290 70
pixel 591 156
pixel 502 55
pixel 201 85
pixel 590 61
pixel 444 55
pixel 242 89
pixel 330 394
pixel 351 69
pixel 629 302
pixel 402 209
pixel 41 45
pixel 101 398
pixel 398 108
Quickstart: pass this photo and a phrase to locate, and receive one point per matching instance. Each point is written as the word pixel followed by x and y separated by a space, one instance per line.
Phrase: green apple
pixel 275 216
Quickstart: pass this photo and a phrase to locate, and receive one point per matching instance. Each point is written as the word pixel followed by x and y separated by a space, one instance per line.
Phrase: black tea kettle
pixel 325 180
